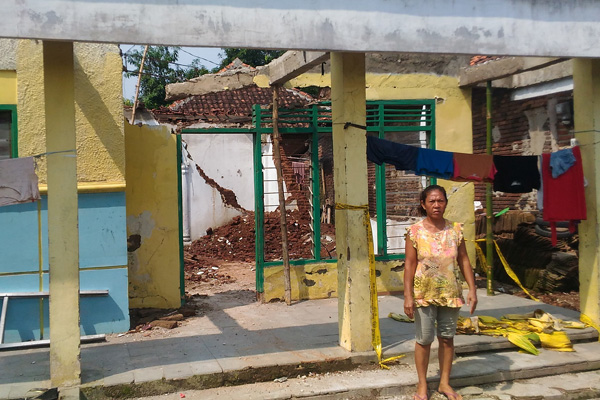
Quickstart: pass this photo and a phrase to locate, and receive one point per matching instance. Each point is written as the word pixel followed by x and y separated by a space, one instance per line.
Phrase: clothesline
pixel 53 152
pixel 557 176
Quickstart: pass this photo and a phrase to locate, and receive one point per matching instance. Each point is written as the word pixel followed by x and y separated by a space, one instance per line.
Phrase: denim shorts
pixel 435 319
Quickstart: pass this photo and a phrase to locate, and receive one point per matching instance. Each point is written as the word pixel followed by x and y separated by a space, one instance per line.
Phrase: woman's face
pixel 435 204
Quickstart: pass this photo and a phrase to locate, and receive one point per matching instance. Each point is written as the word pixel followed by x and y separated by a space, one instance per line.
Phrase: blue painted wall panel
pixel 102 245
pixel 102 230
pixel 19 238
pixel 23 315
pixel 105 314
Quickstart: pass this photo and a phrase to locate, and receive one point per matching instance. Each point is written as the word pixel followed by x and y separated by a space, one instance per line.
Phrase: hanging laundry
pixel 18 181
pixel 473 168
pixel 436 163
pixel 561 161
pixel 516 174
pixel 564 197
pixel 402 156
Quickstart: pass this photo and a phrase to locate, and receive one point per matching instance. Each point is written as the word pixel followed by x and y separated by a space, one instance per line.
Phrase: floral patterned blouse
pixel 436 279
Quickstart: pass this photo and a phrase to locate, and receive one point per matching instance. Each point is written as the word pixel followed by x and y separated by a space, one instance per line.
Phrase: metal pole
pixel 278 168
pixel 489 214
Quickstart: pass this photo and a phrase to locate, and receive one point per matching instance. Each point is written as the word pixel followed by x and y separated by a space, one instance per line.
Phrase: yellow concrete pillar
pixel 586 97
pixel 63 235
pixel 350 182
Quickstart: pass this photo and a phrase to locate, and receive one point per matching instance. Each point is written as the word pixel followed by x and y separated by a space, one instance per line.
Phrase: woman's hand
pixel 409 307
pixel 471 299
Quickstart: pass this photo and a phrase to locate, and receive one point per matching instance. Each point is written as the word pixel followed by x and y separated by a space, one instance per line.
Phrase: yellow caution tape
pixel 588 321
pixel 375 331
pixel 481 257
pixel 507 267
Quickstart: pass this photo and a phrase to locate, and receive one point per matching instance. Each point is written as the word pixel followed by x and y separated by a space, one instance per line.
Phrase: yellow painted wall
pixel 152 213
pixel 98 110
pixel 8 87
pixel 319 280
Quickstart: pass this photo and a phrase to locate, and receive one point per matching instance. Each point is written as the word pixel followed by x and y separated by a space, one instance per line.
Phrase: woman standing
pixel 435 250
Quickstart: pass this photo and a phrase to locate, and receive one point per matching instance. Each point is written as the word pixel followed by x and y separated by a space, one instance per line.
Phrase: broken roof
pixel 228 106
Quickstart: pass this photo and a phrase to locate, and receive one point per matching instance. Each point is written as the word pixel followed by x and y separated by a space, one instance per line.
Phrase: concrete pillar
pixel 63 235
pixel 586 98
pixel 350 182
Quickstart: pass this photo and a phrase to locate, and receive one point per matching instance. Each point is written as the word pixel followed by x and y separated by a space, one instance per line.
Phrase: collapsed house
pixel 225 122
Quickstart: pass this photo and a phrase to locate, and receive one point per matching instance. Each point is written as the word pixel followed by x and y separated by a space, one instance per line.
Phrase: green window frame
pixel 14 146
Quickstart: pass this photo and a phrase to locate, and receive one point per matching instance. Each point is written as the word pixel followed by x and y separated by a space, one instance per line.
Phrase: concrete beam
pixel 292 64
pixel 498 69
pixel 553 72
pixel 211 83
pixel 567 28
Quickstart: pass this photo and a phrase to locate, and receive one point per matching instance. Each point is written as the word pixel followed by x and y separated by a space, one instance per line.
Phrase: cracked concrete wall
pixel 221 182
pixel 152 217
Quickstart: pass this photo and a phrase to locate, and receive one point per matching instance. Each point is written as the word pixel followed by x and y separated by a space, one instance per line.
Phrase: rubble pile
pixel 202 269
pixel 236 240
pixel 145 319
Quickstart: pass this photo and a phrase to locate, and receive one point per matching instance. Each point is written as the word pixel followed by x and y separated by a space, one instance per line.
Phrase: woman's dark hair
pixel 426 192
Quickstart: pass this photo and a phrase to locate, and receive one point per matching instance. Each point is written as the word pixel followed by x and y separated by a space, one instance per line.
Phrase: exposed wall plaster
pixel 537 134
pixel 140 228
pixel 227 195
pixel 496 135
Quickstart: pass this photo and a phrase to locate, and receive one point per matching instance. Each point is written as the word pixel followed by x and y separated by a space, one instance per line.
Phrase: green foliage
pixel 251 57
pixel 160 69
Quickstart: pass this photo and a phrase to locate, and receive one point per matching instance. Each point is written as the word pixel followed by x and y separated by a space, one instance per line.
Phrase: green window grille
pixel 8 132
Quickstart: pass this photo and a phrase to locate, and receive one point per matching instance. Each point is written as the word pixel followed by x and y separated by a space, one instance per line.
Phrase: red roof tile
pixel 476 60
pixel 229 105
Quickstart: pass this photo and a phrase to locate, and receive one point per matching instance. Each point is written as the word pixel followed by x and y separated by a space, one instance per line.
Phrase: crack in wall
pixel 228 196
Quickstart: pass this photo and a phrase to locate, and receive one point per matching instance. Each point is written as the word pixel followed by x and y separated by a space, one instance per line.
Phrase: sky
pixel 186 56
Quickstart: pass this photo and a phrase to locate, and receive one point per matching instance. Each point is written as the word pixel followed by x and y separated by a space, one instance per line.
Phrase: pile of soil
pixel 236 240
